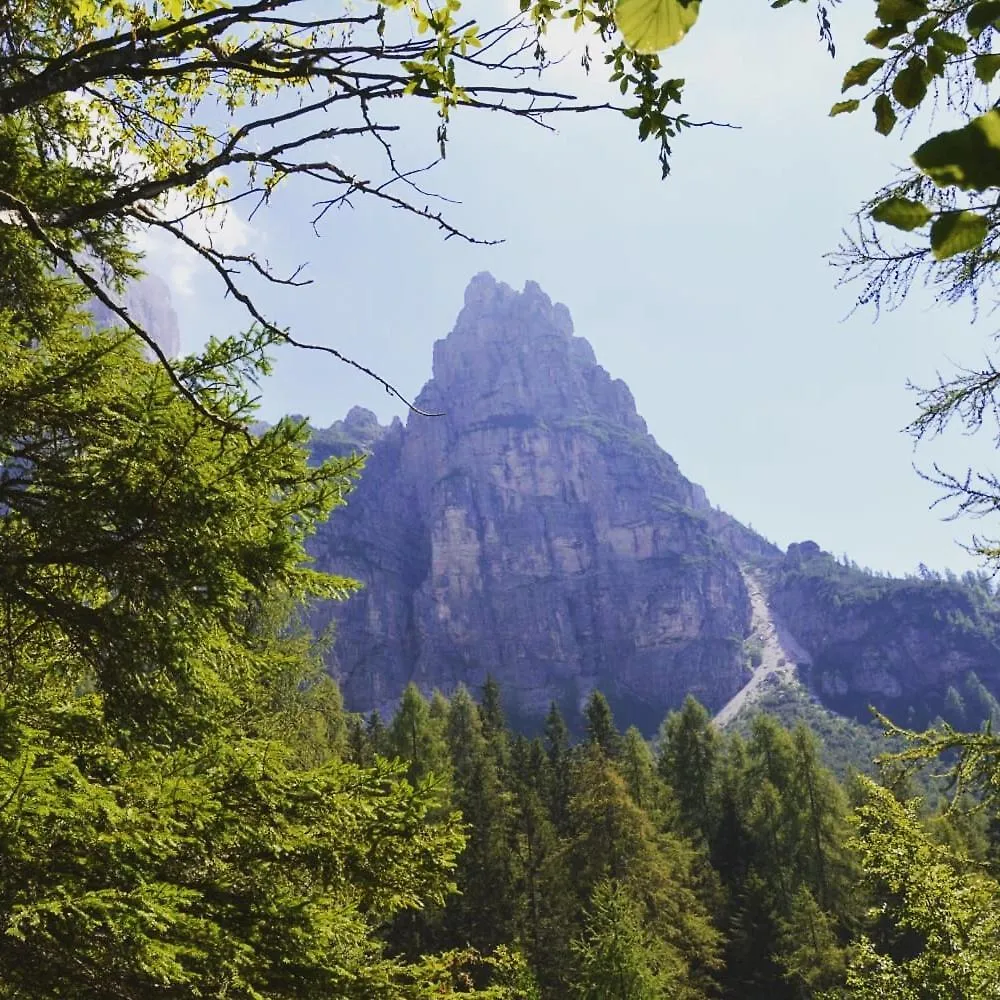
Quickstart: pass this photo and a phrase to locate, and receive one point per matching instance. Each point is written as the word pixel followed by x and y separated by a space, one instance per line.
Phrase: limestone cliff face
pixel 535 532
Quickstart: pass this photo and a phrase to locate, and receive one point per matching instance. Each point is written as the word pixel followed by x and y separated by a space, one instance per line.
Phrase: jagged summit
pixel 514 354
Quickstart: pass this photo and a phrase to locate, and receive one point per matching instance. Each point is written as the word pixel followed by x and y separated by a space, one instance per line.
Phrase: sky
pixel 708 293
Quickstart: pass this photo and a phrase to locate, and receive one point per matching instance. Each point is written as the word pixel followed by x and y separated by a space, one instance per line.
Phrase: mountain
pixel 148 302
pixel 536 532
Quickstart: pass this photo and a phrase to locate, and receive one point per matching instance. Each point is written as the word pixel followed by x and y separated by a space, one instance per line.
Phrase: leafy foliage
pixel 176 816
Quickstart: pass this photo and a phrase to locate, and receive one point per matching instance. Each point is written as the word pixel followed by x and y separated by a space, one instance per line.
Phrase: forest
pixel 186 809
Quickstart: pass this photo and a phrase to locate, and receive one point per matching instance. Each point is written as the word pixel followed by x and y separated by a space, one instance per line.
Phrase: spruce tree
pixel 416 737
pixel 688 755
pixel 600 725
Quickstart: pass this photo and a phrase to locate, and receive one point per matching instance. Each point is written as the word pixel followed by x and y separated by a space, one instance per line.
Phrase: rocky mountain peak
pixel 538 534
pixel 514 355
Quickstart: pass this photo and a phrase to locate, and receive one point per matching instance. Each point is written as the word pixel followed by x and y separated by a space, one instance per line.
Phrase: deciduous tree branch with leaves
pixel 158 114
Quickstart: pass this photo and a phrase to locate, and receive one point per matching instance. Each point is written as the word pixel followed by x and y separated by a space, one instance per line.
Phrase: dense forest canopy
pixel 185 808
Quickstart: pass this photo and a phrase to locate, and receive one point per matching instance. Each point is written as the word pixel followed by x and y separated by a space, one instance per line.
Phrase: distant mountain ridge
pixel 536 532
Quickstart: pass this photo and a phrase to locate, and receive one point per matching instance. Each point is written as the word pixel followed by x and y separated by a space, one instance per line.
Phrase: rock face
pixel 149 304
pixel 535 532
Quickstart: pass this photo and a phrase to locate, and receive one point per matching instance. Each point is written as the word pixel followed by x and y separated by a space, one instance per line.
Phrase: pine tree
pixel 688 756
pixel 417 738
pixel 600 724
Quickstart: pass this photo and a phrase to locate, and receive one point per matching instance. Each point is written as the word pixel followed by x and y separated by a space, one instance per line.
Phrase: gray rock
pixel 148 302
pixel 538 533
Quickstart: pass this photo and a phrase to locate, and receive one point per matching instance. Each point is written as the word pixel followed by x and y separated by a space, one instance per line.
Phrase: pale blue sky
pixel 707 293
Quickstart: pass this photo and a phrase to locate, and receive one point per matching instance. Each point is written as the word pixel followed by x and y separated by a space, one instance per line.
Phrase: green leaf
pixel 879 38
pixel 937 58
pixel 902 213
pixel 649 26
pixel 909 88
pixel 844 107
pixel 987 67
pixel 860 73
pixel 982 16
pixel 922 32
pixel 957 232
pixel 891 11
pixel 954 45
pixel 968 158
pixel 885 114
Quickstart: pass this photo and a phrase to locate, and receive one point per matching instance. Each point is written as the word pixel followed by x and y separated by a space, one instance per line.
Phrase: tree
pixel 601 730
pixel 557 750
pixel 418 738
pixel 689 748
pixel 615 840
pixel 813 957
pixel 484 913
pixel 638 768
pixel 619 957
pixel 939 914
pixel 175 815
pixel 937 222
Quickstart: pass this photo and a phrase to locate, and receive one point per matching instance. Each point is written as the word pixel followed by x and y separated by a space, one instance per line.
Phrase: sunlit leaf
pixel 968 157
pixel 885 114
pixel 650 26
pixel 860 73
pixel 954 45
pixel 893 11
pixel 957 232
pixel 909 88
pixel 923 31
pixel 844 107
pixel 982 16
pixel 986 67
pixel 902 213
pixel 879 38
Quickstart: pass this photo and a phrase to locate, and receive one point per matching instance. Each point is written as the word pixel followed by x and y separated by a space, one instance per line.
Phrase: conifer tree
pixel 613 839
pixel 483 915
pixel 638 767
pixel 600 725
pixel 557 749
pixel 939 914
pixel 688 754
pixel 618 955
pixel 417 738
pixel 177 818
